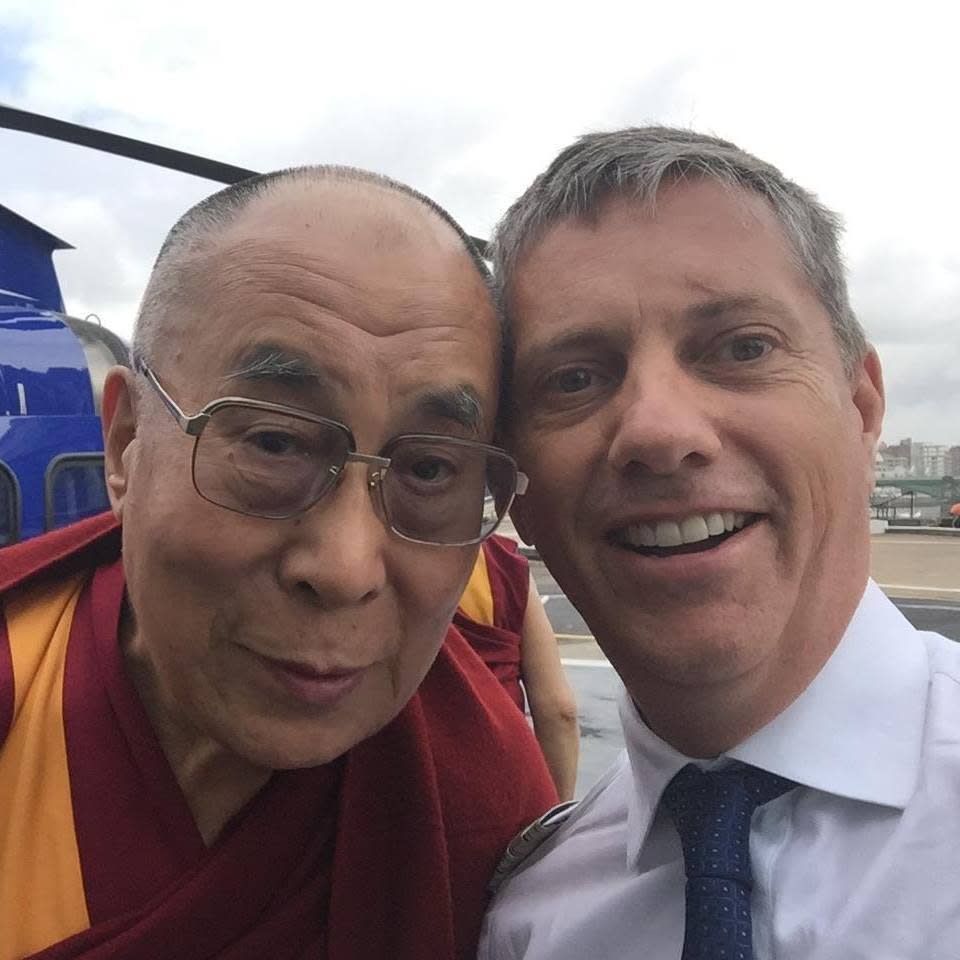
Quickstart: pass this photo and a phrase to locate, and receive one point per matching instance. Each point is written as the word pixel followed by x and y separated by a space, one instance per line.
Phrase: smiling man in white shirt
pixel 698 409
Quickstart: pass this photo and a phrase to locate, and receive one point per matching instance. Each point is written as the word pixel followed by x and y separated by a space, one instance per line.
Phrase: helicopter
pixel 53 365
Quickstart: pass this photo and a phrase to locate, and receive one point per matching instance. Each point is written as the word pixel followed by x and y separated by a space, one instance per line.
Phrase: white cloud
pixel 468 103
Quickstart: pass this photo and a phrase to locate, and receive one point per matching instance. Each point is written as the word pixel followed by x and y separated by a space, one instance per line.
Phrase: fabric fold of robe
pixel 492 612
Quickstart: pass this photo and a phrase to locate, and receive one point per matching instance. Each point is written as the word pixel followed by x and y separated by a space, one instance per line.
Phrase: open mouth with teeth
pixel 691 534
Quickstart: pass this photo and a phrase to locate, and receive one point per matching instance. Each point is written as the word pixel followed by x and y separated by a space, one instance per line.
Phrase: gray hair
pixel 182 255
pixel 636 162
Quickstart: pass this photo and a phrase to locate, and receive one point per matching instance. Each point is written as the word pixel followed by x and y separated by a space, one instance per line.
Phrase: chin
pixel 287 750
pixel 702 658
pixel 292 758
pixel 303 761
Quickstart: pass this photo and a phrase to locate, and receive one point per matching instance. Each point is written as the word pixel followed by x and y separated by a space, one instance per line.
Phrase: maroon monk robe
pixel 382 855
pixel 499 644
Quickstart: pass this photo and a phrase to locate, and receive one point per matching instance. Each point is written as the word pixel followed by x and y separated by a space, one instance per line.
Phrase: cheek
pixel 175 526
pixel 561 468
pixel 185 532
pixel 411 663
pixel 190 568
pixel 832 449
pixel 200 556
pixel 175 594
pixel 428 589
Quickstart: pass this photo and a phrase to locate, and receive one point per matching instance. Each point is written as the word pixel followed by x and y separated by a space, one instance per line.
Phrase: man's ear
pixel 119 414
pixel 870 401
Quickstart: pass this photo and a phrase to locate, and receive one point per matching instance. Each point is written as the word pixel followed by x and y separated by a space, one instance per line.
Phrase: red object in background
pixel 955 510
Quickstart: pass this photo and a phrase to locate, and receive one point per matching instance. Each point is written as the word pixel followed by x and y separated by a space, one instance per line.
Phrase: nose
pixel 665 421
pixel 336 557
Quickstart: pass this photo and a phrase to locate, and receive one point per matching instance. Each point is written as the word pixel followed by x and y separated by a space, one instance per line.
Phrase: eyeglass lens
pixel 265 462
pixel 272 464
pixel 446 492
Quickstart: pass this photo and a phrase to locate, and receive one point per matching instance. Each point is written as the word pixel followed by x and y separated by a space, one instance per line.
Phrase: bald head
pixel 280 209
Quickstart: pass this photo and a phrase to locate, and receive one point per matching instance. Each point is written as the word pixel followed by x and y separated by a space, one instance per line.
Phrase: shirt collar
pixel 856 731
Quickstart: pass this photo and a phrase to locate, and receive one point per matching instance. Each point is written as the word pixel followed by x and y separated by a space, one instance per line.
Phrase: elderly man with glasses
pixel 234 721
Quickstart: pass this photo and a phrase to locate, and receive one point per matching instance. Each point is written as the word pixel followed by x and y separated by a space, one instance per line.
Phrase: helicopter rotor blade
pixel 13 118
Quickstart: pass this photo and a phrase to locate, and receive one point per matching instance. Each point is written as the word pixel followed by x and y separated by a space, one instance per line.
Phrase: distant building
pixel 953 462
pixel 891 468
pixel 894 450
pixel 928 460
pixel 917 459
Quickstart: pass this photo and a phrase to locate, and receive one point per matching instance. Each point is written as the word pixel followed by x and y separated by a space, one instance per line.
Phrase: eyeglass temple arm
pixel 192 426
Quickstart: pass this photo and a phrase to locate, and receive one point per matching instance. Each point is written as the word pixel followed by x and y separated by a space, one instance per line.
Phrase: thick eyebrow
pixel 274 363
pixel 570 340
pixel 587 339
pixel 460 405
pixel 717 308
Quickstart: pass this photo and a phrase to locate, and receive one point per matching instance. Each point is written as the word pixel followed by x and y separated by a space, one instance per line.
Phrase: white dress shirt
pixel 860 862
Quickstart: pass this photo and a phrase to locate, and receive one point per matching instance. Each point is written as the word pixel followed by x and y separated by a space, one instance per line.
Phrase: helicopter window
pixel 9 506
pixel 75 488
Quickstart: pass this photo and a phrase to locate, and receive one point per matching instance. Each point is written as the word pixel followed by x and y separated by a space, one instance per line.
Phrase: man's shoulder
pixel 546 886
pixel 80 546
pixel 45 583
pixel 943 708
pixel 35 624
pixel 942 653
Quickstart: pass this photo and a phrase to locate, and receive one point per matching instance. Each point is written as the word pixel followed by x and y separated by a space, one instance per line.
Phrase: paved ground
pixel 597 690
pixel 912 565
pixel 921 574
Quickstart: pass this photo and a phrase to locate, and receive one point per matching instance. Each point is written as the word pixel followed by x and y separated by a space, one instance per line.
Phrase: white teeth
pixel 648 536
pixel 640 535
pixel 668 534
pixel 694 529
pixel 630 536
pixel 715 524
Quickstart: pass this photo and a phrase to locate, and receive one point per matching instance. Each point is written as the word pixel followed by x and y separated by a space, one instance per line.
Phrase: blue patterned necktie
pixel 712 812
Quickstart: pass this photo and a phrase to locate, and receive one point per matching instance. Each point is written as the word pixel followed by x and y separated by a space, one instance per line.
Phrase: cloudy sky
pixel 469 102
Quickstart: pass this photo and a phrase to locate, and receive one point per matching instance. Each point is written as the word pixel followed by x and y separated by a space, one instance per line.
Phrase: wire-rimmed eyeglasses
pixel 269 460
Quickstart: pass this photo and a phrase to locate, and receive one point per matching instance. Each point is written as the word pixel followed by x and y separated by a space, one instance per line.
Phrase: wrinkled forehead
pixel 376 257
pixel 369 290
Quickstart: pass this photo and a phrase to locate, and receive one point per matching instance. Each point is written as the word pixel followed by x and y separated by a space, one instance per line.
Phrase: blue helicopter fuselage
pixel 51 462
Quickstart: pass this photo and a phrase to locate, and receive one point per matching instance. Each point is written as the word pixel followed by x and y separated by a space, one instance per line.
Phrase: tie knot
pixel 712 811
